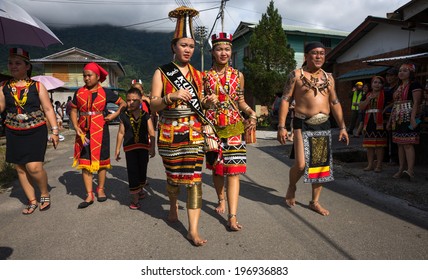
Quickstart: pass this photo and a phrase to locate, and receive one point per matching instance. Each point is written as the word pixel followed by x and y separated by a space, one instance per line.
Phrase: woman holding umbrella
pixel 23 98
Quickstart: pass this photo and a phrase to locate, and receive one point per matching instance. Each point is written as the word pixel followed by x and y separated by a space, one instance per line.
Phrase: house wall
pixel 383 39
pixel 71 75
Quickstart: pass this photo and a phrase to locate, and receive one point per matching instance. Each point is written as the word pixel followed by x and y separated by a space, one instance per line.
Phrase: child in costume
pixel 137 135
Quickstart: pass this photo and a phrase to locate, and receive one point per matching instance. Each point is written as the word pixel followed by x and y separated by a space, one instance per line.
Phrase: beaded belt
pixel 93 113
pixel 372 111
pixel 177 122
pixel 314 120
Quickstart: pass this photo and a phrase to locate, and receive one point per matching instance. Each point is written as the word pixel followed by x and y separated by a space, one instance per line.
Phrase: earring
pixel 173 57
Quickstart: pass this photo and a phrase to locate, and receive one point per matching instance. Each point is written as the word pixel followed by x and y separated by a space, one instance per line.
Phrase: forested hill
pixel 139 52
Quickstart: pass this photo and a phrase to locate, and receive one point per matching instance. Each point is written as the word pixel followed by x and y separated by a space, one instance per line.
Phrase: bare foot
pixel 368 168
pixel 196 239
pixel 316 206
pixel 290 197
pixel 173 214
pixel 221 206
pixel 233 224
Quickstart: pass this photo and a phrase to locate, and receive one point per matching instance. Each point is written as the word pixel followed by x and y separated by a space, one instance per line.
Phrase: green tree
pixel 271 58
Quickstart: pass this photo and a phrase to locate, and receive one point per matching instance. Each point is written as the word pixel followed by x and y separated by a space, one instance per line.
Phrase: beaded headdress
pixel 183 27
pixel 221 38
pixel 19 52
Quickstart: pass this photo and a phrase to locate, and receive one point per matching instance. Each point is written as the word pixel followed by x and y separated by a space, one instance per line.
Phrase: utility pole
pixel 201 31
pixel 221 13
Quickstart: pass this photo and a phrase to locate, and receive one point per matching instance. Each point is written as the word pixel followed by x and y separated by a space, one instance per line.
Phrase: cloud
pixel 151 14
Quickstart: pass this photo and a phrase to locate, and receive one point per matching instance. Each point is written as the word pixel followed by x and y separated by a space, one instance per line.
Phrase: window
pixel 326 42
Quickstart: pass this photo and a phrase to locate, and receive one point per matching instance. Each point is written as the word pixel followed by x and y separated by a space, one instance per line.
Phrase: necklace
pixel 314 83
pixel 221 72
pixel 136 125
pixel 23 100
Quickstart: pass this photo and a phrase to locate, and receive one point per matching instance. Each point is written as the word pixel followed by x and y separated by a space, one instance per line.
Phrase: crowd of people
pixel 185 104
pixel 391 110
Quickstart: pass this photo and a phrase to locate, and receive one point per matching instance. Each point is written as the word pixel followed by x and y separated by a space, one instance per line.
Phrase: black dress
pixel 26 139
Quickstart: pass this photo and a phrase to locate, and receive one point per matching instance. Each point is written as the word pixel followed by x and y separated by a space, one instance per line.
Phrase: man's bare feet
pixel 290 196
pixel 196 239
pixel 316 206
pixel 221 206
pixel 173 214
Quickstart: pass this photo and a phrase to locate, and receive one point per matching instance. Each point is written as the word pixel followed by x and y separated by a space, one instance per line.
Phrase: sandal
pixel 135 206
pixel 236 226
pixel 85 203
pixel 408 175
pixel 398 175
pixel 100 198
pixel 44 200
pixel 30 207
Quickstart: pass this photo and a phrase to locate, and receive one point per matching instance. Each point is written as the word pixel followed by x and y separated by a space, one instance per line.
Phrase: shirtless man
pixel 314 94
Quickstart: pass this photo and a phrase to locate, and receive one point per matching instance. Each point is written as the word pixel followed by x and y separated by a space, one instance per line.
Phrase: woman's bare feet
pixel 173 214
pixel 316 206
pixel 290 196
pixel 196 239
pixel 232 223
pixel 221 206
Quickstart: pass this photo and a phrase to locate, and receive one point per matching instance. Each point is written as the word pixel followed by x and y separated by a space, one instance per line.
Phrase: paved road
pixel 362 224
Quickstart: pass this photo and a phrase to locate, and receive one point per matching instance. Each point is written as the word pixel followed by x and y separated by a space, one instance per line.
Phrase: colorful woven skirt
pixel 181 157
pixel 232 159
pixel 374 138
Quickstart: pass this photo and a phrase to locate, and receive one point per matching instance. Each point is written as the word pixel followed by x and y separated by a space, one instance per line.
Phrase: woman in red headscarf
pixel 404 119
pixel 92 146
pixel 375 135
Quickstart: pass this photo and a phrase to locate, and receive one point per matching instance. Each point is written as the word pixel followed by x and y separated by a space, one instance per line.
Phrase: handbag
pixel 210 139
pixel 250 135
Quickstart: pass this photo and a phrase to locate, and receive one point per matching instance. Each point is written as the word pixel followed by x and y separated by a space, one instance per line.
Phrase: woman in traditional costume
pixel 375 135
pixel 404 119
pixel 92 145
pixel 224 99
pixel 176 93
pixel 27 105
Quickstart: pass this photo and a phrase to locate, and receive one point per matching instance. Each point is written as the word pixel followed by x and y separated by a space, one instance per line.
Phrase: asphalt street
pixel 363 225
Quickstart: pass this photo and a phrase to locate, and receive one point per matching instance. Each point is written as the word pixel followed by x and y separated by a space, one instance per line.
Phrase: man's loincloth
pixel 316 136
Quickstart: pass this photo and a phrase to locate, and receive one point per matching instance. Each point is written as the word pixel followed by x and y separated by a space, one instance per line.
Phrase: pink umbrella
pixel 17 27
pixel 49 82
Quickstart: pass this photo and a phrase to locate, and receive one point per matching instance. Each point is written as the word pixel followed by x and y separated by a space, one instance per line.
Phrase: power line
pixel 111 2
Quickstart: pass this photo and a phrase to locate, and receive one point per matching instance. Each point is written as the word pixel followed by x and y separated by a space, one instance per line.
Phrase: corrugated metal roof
pixel 300 29
pixel 403 57
pixel 362 73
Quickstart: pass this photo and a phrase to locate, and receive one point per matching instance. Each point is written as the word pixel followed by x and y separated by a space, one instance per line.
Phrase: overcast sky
pixel 152 15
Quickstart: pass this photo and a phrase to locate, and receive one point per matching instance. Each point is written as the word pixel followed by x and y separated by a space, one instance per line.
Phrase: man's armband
pixel 336 101
pixel 286 98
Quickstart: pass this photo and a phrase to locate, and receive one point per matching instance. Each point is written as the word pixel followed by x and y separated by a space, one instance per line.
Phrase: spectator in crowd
pixel 405 118
pixel 356 96
pixel 375 135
